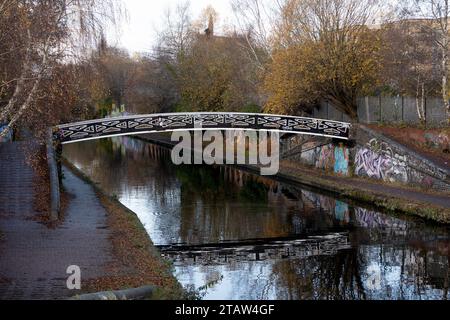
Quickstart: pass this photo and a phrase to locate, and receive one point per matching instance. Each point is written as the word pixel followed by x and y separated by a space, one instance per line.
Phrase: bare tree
pixel 256 19
pixel 435 15
pixel 410 62
pixel 175 36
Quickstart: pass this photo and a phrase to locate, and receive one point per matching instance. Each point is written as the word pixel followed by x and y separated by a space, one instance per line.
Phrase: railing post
pixel 366 102
pixel 55 200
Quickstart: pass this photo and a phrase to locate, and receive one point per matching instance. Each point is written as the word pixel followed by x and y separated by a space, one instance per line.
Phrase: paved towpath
pixel 33 257
pixel 438 199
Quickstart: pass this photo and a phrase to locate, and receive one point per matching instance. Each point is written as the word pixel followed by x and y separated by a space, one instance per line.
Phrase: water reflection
pixel 239 231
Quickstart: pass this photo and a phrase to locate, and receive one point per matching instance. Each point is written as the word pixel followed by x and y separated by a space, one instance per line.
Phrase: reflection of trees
pixel 408 271
pixel 218 183
pixel 201 180
pixel 322 277
pixel 121 163
pixel 253 191
pixel 226 203
pixel 223 204
pixel 140 174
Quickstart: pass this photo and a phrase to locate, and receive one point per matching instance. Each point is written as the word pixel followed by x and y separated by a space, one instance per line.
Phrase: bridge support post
pixel 55 196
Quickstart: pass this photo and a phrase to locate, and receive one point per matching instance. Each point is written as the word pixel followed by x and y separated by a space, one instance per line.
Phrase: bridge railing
pixel 163 122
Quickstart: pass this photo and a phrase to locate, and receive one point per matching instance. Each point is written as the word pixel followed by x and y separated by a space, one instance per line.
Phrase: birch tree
pixel 409 62
pixel 255 20
pixel 440 12
pixel 176 34
pixel 39 36
pixel 435 15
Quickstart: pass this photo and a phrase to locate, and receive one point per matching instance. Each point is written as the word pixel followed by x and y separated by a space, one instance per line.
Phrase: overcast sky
pixel 138 34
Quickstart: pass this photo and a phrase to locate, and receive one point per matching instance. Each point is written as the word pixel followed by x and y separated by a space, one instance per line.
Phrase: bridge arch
pixel 163 122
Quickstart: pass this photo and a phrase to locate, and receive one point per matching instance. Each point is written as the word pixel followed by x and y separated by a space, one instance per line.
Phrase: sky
pixel 138 33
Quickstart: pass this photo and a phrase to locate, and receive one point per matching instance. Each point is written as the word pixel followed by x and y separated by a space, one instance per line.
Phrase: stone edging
pixel 55 193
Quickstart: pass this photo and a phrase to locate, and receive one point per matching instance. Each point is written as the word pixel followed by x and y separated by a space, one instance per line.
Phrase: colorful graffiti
pixel 378 161
pixel 372 219
pixel 325 157
pixel 385 159
pixel 336 209
pixel 341 159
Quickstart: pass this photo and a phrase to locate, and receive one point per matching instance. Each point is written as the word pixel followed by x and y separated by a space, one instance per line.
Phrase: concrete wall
pixel 387 109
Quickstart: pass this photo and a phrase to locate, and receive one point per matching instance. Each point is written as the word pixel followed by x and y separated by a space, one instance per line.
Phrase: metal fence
pixel 388 109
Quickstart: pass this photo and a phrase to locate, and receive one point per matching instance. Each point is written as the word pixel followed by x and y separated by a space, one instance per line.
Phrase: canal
pixel 234 235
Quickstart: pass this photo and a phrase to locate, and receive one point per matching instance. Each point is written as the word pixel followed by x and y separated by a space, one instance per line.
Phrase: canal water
pixel 235 235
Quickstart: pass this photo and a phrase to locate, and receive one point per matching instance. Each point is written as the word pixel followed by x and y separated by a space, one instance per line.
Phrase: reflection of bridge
pixel 247 251
pixel 137 124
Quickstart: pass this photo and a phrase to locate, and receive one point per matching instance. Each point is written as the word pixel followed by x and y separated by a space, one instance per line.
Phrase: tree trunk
pixel 417 105
pixel 17 92
pixel 422 104
pixel 30 98
pixel 444 79
pixel 445 41
pixel 5 114
pixel 420 97
pixel 28 102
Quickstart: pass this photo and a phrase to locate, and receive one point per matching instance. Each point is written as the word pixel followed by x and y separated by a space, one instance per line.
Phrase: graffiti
pixel 378 158
pixel 392 162
pixel 318 153
pixel 341 159
pixel 338 210
pixel 341 211
pixel 427 168
pixel 325 157
pixel 375 220
pixel 379 166
pixel 440 141
pixel 380 162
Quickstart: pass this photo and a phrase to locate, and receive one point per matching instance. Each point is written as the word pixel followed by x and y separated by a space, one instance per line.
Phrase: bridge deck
pixel 137 124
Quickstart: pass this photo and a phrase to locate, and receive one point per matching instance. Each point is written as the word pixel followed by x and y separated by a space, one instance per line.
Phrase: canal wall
pixel 370 154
